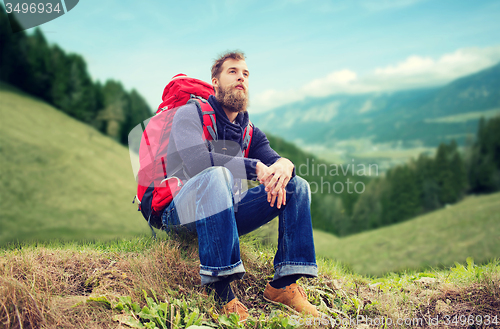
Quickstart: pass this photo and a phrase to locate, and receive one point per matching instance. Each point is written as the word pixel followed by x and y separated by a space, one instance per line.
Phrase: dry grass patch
pixel 476 301
pixel 20 308
pixel 80 286
pixel 44 287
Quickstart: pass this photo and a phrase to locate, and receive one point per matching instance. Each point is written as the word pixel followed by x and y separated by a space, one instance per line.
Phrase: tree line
pixel 62 80
pixel 405 191
pixel 430 183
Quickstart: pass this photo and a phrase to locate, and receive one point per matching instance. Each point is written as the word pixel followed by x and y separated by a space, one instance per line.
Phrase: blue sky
pixel 295 49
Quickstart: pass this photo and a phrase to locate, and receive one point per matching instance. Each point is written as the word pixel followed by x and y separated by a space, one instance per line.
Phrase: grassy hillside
pixel 59 177
pixel 470 228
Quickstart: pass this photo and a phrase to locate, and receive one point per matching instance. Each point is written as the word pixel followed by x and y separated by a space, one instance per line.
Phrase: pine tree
pixel 14 66
pixel 367 212
pixel 116 105
pixel 427 182
pixel 39 82
pixel 444 174
pixel 484 161
pixel 459 173
pixel 60 85
pixel 82 102
pixel 402 200
pixel 139 111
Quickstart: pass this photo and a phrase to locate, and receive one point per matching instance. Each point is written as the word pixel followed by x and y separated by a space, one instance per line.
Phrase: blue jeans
pixel 205 206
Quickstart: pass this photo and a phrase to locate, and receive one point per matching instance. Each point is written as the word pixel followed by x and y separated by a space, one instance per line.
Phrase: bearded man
pixel 212 204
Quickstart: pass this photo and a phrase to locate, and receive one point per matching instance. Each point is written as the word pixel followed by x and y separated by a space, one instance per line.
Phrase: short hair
pixel 217 67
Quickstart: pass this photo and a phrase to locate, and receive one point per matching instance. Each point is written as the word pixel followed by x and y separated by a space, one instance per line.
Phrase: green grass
pixel 470 228
pixel 60 178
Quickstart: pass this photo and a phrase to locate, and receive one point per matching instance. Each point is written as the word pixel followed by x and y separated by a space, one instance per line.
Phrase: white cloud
pixel 412 65
pixel 336 82
pixel 273 98
pixel 414 72
pixel 324 86
pixel 420 71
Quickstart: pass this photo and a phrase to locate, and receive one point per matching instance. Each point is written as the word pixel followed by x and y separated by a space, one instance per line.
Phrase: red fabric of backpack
pixel 156 188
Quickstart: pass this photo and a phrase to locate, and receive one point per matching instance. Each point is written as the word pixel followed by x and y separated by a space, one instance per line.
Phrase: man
pixel 210 204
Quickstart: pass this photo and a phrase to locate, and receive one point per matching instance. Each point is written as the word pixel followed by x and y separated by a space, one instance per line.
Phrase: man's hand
pixel 275 178
pixel 281 172
pixel 280 198
pixel 262 171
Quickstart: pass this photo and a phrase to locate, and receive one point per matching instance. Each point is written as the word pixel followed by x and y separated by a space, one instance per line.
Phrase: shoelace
pixel 300 289
pixel 302 292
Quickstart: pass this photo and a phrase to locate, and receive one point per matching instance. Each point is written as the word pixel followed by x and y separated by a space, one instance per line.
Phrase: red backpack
pixel 155 187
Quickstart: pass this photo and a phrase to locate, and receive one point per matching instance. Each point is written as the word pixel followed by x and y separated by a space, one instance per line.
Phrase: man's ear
pixel 215 84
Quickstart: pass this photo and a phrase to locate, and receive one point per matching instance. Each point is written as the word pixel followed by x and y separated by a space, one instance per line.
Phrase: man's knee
pixel 300 187
pixel 217 179
pixel 209 193
pixel 219 174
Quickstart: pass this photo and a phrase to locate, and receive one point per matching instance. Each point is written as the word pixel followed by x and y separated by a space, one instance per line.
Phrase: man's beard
pixel 232 99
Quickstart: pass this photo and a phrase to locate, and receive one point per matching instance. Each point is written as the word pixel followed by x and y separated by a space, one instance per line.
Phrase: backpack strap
pixel 248 138
pixel 207 118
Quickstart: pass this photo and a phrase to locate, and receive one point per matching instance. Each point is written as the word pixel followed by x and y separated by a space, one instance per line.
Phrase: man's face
pixel 231 88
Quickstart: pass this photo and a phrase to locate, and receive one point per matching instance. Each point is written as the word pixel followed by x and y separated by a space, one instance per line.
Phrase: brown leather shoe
pixel 293 297
pixel 235 306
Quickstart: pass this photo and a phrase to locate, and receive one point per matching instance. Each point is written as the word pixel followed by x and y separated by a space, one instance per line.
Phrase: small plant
pixel 157 315
pixel 471 272
pixel 276 320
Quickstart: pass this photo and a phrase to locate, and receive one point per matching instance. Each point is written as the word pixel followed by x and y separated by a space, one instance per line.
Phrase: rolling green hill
pixel 470 228
pixel 61 178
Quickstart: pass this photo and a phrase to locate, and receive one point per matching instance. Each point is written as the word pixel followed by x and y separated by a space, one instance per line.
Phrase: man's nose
pixel 241 77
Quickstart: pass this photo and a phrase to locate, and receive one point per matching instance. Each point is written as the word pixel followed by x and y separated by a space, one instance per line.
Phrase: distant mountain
pixel 356 124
